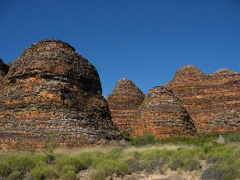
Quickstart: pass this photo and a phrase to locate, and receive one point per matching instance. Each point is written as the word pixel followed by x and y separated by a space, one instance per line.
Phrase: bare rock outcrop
pixel 124 102
pixel 52 89
pixel 212 100
pixel 163 115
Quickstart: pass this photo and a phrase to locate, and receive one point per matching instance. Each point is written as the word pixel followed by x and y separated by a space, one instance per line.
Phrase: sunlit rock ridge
pixel 50 88
pixel 211 102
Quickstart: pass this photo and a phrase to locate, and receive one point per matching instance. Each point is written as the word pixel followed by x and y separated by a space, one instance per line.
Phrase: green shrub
pixel 220 173
pixel 15 175
pixel 70 175
pixel 143 140
pixel 178 140
pixel 108 167
pixel 182 155
pixel 156 165
pixel 39 158
pixel 175 164
pixel 156 154
pixel 214 159
pixel 219 156
pixel 191 165
pixel 70 161
pixel 186 153
pixel 232 137
pixel 20 162
pixel 67 168
pixel 136 165
pixel 210 146
pixel 86 158
pixel 126 135
pixel 5 169
pixel 97 158
pixel 136 154
pixel 115 153
pixel 51 143
pixel 42 172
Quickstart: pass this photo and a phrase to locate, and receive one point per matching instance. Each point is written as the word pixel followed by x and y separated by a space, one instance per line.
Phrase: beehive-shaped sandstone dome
pixel 188 73
pixel 124 102
pixel 212 100
pixel 51 88
pixel 163 115
pixel 224 71
pixel 54 58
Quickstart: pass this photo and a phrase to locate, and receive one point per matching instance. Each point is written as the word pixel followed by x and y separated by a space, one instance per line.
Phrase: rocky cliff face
pixel 124 102
pixel 212 100
pixel 51 88
pixel 163 115
pixel 3 71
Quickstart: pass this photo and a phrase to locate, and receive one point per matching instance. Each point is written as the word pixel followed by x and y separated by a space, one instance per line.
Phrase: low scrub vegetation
pixel 145 153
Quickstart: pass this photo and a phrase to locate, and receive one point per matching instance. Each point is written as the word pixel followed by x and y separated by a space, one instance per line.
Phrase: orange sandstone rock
pixel 51 88
pixel 163 115
pixel 212 100
pixel 124 102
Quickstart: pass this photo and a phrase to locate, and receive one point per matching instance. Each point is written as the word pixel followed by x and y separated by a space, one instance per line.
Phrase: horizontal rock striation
pixel 212 100
pixel 163 115
pixel 52 89
pixel 124 102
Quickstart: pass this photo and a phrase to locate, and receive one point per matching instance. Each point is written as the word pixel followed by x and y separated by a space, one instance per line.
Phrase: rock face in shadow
pixel 212 100
pixel 163 115
pixel 3 71
pixel 124 102
pixel 52 89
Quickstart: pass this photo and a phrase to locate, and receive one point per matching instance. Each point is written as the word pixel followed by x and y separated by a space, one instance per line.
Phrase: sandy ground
pixel 169 175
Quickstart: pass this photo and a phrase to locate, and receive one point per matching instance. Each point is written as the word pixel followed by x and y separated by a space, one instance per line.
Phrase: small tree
pixel 51 143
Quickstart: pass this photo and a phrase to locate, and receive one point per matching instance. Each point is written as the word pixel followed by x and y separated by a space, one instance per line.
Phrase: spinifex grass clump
pixel 223 161
pixel 220 172
pixel 175 164
pixel 108 167
pixel 191 165
pixel 15 175
pixel 42 171
pixel 19 164
pixel 142 140
pixel 149 161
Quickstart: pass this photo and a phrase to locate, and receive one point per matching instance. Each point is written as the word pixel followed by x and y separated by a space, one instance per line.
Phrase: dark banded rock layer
pixel 52 89
pixel 124 102
pixel 212 100
pixel 163 115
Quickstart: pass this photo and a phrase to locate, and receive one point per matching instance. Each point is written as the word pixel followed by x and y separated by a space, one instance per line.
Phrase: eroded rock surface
pixel 124 102
pixel 51 88
pixel 212 100
pixel 163 115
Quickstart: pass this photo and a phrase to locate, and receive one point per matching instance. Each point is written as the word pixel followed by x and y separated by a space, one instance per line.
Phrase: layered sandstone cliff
pixel 51 88
pixel 212 100
pixel 124 102
pixel 163 115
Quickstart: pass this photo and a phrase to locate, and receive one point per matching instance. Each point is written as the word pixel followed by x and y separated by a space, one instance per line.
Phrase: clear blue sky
pixel 143 40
